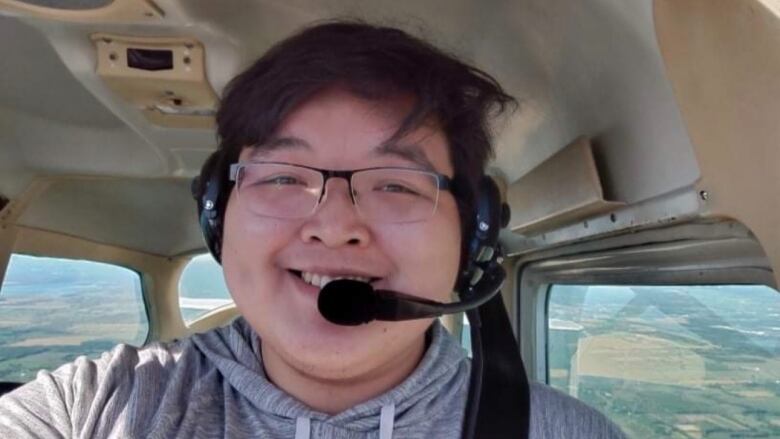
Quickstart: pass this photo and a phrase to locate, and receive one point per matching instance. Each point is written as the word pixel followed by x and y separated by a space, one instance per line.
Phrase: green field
pixel 671 362
pixel 51 312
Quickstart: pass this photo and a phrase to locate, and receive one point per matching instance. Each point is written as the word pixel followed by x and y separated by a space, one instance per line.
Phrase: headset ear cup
pixel 490 215
pixel 212 234
pixel 209 218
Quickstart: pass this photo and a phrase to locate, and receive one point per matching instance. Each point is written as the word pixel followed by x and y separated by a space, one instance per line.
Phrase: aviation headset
pixel 498 394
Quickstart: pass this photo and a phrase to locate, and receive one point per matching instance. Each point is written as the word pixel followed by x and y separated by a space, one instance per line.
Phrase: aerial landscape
pixel 53 310
pixel 671 361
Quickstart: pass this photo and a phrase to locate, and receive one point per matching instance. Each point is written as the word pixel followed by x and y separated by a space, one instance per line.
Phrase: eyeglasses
pixel 385 195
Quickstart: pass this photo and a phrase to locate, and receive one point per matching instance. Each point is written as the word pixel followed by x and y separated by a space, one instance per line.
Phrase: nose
pixel 336 221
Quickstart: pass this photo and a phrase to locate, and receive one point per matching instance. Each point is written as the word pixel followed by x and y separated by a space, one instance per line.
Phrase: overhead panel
pixel 164 78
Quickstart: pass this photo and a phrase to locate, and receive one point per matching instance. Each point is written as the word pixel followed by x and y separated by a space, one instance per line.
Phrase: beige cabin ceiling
pixel 588 68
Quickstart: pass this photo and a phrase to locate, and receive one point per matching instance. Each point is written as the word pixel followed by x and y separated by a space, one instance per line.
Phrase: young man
pixel 347 151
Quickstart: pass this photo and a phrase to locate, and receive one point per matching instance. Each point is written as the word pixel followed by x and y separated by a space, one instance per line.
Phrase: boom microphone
pixel 350 303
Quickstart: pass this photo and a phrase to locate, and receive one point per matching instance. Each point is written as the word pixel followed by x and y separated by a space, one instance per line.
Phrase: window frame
pixel 734 261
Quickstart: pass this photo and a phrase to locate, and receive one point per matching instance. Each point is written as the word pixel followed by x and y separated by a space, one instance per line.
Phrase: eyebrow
pixel 276 143
pixel 407 151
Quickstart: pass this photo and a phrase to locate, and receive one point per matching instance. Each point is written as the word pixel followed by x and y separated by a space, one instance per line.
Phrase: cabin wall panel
pixel 723 60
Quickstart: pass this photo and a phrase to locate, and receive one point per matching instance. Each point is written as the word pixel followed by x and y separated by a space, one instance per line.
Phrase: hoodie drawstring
pixel 302 428
pixel 386 421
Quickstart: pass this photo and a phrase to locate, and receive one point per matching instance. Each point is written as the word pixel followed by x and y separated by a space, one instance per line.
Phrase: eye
pixel 283 180
pixel 397 188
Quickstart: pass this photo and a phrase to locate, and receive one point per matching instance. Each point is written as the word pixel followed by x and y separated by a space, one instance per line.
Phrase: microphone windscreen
pixel 347 302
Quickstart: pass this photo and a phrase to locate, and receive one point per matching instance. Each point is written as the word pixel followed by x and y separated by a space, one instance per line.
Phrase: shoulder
pixel 74 396
pixel 557 415
pixel 154 364
pixel 92 394
pixel 79 380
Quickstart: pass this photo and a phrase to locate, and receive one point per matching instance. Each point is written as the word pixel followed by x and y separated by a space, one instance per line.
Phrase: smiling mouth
pixel 320 280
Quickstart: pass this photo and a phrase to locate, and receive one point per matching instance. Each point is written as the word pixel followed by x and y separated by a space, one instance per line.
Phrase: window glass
pixel 202 288
pixel 670 361
pixel 465 335
pixel 54 310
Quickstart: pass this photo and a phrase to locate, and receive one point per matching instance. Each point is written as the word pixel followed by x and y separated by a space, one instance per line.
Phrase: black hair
pixel 373 62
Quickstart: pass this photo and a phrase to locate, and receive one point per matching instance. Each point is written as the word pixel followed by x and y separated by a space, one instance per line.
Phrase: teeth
pixel 320 280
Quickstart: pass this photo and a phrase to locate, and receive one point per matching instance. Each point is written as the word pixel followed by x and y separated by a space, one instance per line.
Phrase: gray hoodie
pixel 213 385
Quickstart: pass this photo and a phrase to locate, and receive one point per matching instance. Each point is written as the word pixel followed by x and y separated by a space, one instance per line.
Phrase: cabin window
pixel 202 288
pixel 53 310
pixel 465 336
pixel 670 361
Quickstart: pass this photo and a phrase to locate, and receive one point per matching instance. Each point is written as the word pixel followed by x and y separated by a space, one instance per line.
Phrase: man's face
pixel 337 130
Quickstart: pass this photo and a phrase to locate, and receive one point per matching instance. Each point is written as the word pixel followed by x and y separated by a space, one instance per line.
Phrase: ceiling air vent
pixel 152 60
pixel 165 78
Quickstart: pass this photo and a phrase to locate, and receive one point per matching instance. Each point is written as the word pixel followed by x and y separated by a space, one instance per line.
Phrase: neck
pixel 333 395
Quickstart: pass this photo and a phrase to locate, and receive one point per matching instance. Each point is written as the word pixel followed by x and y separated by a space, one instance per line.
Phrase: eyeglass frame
pixel 443 182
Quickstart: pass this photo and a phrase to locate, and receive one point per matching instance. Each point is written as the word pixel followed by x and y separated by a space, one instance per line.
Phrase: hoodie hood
pixel 436 391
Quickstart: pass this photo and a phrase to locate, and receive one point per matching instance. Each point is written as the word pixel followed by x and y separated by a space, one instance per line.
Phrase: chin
pixel 328 361
pixel 343 352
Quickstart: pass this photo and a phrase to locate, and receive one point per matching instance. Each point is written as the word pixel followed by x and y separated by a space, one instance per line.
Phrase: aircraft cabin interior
pixel 641 168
